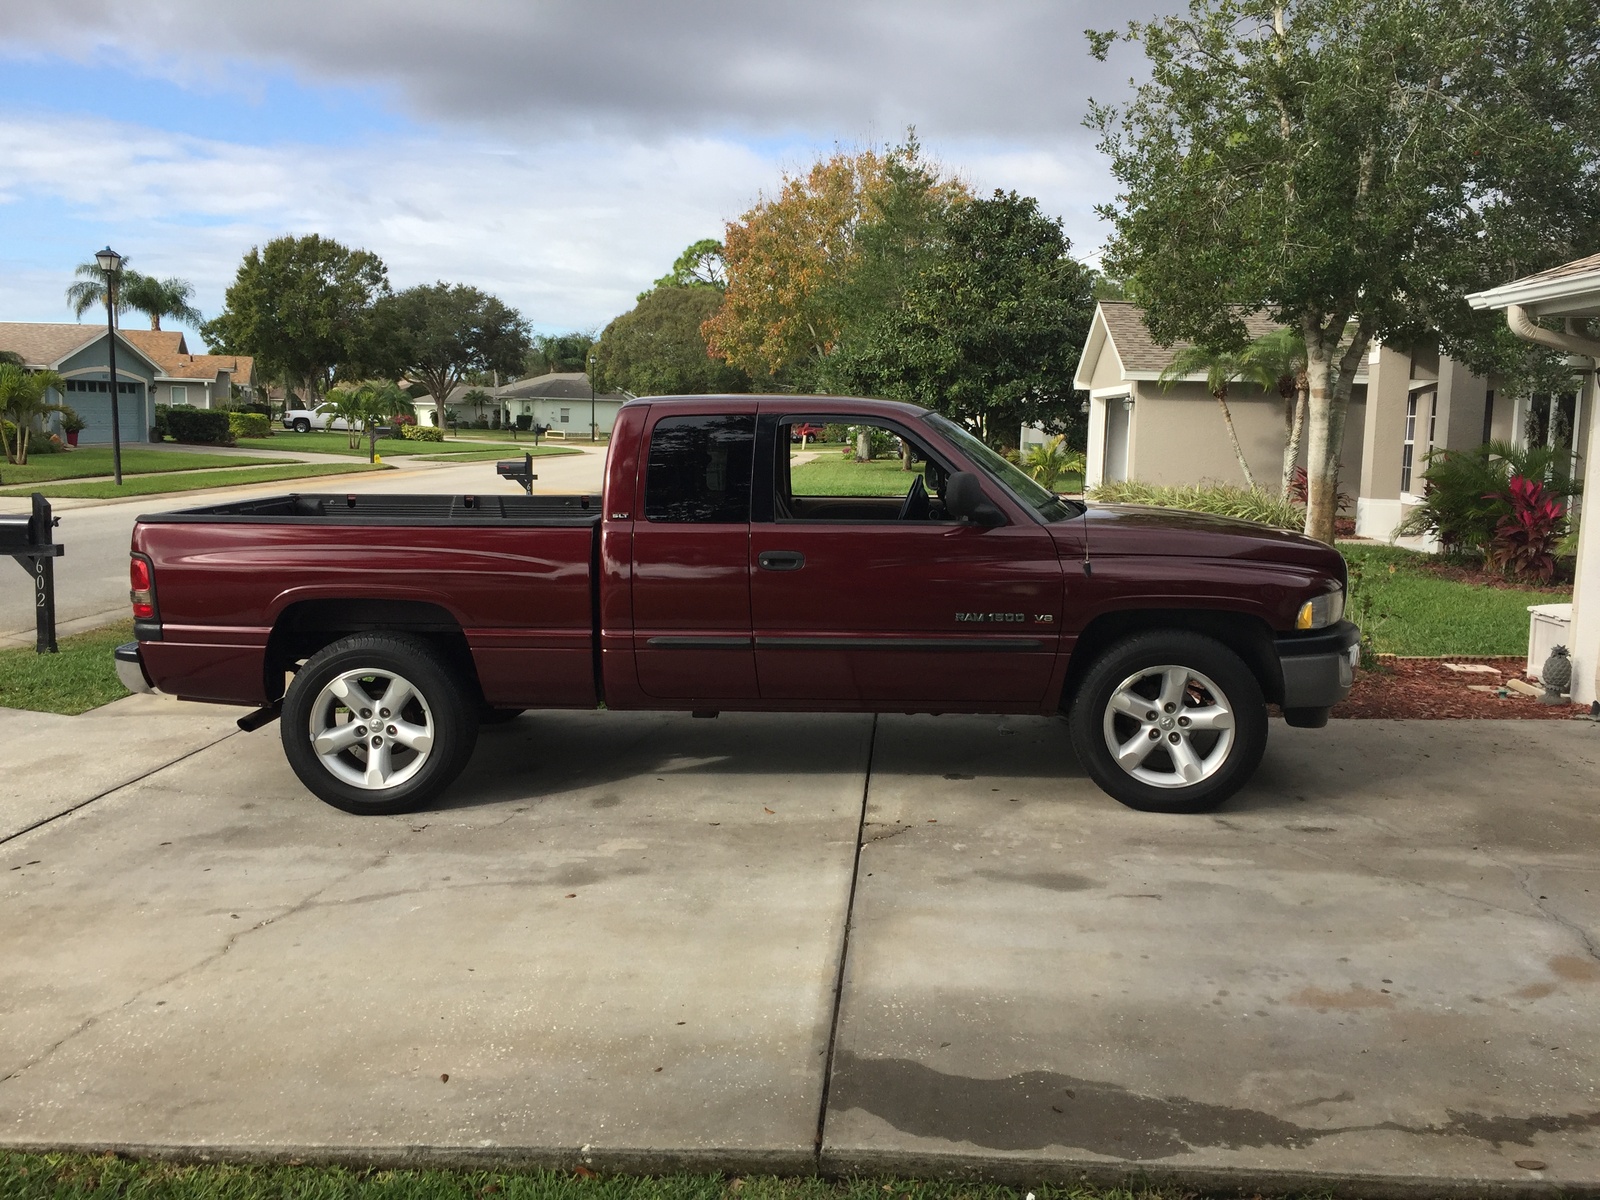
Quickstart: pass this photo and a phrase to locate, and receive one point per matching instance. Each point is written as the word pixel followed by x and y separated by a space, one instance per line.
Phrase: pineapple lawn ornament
pixel 1556 675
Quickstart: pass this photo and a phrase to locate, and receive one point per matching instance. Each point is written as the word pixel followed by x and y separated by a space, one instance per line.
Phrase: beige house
pixel 1571 294
pixel 1140 428
pixel 1404 405
pixel 201 380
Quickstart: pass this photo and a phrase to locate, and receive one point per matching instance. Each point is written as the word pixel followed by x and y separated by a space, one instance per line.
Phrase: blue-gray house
pixel 79 353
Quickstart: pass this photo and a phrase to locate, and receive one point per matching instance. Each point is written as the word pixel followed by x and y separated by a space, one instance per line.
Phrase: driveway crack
pixel 193 968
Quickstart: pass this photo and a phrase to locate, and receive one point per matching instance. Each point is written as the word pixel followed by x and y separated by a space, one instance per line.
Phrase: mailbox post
pixel 30 540
pixel 518 471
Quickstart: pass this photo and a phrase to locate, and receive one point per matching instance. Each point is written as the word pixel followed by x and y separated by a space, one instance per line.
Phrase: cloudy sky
pixel 558 153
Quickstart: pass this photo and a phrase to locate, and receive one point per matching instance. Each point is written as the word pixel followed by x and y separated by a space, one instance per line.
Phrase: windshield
pixel 1048 505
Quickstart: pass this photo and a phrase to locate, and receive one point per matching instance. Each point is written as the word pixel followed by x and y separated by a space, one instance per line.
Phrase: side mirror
pixel 964 498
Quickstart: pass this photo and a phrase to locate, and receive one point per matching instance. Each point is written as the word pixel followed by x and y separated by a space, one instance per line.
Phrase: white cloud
pixel 566 231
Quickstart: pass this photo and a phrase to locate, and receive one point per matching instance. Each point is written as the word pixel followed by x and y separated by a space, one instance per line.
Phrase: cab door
pixel 691 553
pixel 873 608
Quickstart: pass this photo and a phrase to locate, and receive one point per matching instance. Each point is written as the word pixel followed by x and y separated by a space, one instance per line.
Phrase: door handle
pixel 781 560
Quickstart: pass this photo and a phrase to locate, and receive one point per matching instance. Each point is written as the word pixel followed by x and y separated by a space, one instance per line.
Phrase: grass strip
pixel 106 1177
pixel 506 452
pixel 96 460
pixel 190 481
pixel 1408 611
pixel 82 676
pixel 323 442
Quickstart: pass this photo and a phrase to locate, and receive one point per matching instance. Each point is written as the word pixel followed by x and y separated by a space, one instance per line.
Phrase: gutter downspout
pixel 1571 342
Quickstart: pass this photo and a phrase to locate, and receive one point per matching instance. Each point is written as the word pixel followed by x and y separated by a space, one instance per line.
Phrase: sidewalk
pixel 622 941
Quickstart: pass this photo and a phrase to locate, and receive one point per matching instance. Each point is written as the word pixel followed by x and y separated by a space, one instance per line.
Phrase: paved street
pixel 620 939
pixel 92 578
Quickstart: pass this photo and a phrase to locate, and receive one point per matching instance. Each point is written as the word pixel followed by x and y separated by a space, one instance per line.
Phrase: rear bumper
pixel 130 668
pixel 1319 668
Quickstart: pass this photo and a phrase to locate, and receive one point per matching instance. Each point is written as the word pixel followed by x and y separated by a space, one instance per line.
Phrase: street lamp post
pixel 594 430
pixel 111 266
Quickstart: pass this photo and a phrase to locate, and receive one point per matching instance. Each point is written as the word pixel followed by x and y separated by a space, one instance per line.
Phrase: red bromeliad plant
pixel 1525 538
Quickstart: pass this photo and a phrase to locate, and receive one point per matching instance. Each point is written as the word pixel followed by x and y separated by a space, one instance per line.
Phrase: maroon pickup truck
pixel 711 574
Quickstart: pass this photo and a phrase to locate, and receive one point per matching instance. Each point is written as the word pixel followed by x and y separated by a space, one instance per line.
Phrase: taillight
pixel 141 594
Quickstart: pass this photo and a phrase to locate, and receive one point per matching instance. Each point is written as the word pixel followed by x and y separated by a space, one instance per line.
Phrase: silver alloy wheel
pixel 371 728
pixel 1169 726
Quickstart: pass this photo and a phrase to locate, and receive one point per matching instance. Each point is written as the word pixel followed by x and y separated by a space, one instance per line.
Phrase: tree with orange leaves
pixel 792 261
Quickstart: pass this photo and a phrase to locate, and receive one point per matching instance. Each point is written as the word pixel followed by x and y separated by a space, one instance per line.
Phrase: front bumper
pixel 1319 668
pixel 130 668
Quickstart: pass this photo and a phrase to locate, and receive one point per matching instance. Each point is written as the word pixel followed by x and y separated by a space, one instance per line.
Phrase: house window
pixel 1408 450
pixel 566 415
pixel 180 395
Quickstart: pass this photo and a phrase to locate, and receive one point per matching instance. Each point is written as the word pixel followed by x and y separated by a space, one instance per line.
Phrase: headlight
pixel 1321 611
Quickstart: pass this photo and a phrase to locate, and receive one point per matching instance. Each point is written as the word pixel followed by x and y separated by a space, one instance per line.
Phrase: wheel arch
pixel 306 626
pixel 1247 636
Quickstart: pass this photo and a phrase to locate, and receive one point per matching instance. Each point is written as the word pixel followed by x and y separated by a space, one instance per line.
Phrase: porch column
pixel 1382 435
pixel 1585 646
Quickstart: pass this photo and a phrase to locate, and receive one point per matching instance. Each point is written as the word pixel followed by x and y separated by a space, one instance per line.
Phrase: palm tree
pixel 347 403
pixel 158 298
pixel 1277 361
pixel 1050 460
pixel 1222 368
pixel 22 403
pixel 90 290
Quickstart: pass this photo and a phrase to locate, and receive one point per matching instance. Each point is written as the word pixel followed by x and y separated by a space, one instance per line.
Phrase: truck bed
pixel 381 508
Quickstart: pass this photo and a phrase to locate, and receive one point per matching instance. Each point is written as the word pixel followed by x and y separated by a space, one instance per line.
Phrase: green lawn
pixel 1414 612
pixel 96 460
pixel 323 442
pixel 502 452
pixel 189 481
pixel 82 676
pixel 832 475
pixel 108 1177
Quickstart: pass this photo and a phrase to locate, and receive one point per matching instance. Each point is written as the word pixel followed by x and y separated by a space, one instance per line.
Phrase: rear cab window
pixel 698 470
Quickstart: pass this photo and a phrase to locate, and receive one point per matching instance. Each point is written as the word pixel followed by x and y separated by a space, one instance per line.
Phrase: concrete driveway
pixel 622 940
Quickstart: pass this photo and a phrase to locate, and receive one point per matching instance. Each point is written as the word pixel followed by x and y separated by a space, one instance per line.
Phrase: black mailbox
pixel 16 532
pixel 29 539
pixel 518 470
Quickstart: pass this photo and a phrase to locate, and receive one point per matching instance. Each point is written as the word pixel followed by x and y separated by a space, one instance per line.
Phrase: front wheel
pixel 378 723
pixel 302 425
pixel 1169 722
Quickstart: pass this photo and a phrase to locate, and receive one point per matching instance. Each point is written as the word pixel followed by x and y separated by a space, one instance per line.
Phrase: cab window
pixel 828 469
pixel 699 469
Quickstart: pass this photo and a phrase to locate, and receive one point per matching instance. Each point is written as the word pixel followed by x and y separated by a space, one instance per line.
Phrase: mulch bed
pixel 1425 689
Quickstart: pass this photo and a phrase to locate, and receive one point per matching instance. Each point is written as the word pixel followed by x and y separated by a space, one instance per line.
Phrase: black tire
pixel 440 707
pixel 302 425
pixel 1212 684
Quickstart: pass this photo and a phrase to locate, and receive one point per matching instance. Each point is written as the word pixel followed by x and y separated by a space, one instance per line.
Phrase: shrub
pixel 421 433
pixel 1219 499
pixel 199 426
pixel 159 431
pixel 1467 492
pixel 1525 539
pixel 835 433
pixel 249 425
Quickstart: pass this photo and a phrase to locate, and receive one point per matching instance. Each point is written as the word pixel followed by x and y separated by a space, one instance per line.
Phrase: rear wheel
pixel 378 723
pixel 1169 722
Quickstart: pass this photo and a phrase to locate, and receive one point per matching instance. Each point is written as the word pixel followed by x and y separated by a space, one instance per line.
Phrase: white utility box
pixel 1549 626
